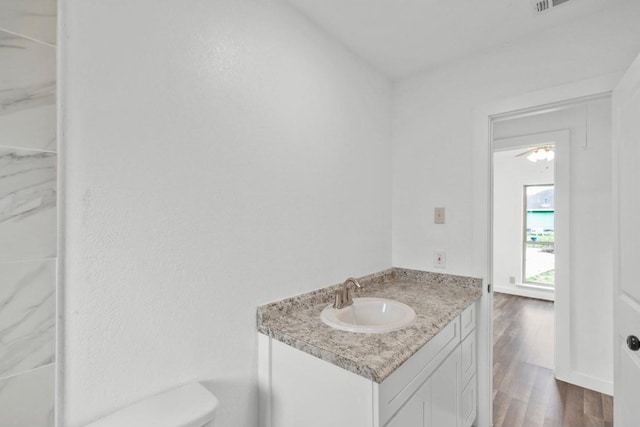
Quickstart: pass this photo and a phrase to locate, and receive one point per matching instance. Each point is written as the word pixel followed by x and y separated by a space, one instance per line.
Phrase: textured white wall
pixel 218 154
pixel 433 127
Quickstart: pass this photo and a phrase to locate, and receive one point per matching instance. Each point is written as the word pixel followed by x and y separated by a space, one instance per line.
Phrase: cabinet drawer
pixel 468 357
pixel 468 320
pixel 407 379
pixel 468 403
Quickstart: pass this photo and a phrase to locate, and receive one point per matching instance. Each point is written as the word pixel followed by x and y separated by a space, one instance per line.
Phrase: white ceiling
pixel 404 37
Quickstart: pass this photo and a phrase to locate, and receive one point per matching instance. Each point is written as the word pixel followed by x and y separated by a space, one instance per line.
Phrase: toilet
pixel 191 405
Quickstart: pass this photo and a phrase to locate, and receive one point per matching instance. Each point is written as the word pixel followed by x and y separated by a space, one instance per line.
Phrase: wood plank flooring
pixel 525 393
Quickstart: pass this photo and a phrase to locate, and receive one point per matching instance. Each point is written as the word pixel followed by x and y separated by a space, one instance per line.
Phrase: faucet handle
pixel 348 300
pixel 343 296
pixel 338 302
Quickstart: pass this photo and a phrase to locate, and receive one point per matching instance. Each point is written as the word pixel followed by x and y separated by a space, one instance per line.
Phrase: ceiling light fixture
pixel 541 153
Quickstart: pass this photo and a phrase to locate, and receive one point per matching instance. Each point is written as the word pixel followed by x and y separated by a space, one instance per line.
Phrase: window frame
pixel 524 241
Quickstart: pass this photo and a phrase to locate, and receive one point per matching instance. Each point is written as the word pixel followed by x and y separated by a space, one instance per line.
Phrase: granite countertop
pixel 436 298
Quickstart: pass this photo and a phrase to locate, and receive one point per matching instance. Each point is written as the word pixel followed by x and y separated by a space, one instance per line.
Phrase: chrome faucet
pixel 343 295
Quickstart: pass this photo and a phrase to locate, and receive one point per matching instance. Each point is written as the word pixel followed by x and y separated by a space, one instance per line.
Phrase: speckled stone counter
pixel 436 298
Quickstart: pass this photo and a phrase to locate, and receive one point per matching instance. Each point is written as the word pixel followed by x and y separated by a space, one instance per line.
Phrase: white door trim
pixel 482 221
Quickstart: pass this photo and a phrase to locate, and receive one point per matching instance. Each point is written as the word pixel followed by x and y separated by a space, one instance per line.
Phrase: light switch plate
pixel 438 216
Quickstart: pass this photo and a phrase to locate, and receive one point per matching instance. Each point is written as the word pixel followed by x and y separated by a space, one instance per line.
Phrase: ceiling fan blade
pixel 526 153
pixel 546 148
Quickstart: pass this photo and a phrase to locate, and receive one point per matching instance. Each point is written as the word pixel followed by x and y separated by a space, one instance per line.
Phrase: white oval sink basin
pixel 369 316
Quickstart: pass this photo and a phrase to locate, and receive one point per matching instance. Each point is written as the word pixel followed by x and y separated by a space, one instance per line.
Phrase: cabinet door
pixel 417 411
pixel 468 403
pixel 468 349
pixel 445 392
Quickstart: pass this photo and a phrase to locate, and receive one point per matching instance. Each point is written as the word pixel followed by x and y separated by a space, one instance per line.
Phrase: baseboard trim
pixel 587 381
pixel 525 292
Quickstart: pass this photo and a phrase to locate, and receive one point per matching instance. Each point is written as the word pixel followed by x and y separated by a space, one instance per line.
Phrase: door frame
pixel 482 250
pixel 562 139
pixel 562 182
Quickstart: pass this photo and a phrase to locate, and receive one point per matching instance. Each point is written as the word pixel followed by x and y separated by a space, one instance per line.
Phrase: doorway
pixel 524 212
pixel 483 120
pixel 537 207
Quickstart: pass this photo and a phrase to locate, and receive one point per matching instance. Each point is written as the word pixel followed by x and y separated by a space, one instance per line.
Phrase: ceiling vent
pixel 546 5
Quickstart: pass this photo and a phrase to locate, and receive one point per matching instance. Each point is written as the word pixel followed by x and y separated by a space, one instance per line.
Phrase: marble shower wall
pixel 35 19
pixel 27 93
pixel 28 235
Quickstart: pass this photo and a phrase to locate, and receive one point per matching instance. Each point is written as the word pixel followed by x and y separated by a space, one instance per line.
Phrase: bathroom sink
pixel 369 316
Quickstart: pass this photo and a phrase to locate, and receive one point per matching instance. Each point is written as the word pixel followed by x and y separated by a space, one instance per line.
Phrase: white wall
pixel 591 272
pixel 217 155
pixel 510 175
pixel 433 128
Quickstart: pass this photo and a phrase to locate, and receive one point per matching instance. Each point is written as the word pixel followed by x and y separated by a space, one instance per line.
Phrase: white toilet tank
pixel 191 405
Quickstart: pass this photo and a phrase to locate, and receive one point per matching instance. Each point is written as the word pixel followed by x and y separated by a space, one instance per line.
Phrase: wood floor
pixel 525 393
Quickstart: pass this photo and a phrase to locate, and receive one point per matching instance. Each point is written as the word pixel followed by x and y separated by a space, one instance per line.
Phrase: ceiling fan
pixel 545 152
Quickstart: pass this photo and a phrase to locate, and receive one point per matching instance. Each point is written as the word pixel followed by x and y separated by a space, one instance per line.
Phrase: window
pixel 539 235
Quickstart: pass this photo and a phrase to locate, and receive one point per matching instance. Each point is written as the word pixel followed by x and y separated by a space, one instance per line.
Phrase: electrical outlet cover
pixel 440 259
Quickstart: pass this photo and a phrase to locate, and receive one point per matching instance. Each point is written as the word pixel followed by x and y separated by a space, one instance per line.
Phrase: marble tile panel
pixel 27 93
pixel 27 400
pixel 27 205
pixel 31 18
pixel 27 315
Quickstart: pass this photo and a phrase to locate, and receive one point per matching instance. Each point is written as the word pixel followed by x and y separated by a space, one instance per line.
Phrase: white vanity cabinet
pixel 436 387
